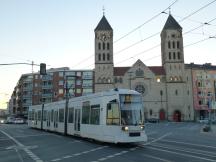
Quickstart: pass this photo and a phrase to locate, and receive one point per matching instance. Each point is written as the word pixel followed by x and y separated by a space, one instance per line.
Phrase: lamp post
pixel 67 88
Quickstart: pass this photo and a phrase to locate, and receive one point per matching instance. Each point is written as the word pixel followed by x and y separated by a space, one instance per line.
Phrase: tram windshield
pixel 131 109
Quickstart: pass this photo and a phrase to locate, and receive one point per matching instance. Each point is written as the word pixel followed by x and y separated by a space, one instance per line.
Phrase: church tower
pixel 172 50
pixel 103 56
pixel 172 54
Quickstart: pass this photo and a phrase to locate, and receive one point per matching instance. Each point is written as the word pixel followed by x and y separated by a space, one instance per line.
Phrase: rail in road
pixel 167 142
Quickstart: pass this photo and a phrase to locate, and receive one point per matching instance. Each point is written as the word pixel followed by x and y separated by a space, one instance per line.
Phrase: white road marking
pixel 192 144
pixel 31 154
pixel 78 154
pixel 184 150
pixel 182 154
pixel 157 139
pixel 156 158
pixel 112 156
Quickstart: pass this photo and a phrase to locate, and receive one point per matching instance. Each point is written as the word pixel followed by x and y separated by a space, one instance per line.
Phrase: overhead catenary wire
pixel 142 40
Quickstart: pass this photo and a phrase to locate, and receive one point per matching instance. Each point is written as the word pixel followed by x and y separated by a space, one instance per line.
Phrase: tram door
pixel 55 120
pixel 77 120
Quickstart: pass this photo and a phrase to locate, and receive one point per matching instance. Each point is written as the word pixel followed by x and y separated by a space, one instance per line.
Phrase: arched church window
pixel 178 44
pixel 108 56
pixel 108 46
pixel 169 44
pixel 169 55
pixel 99 56
pixel 179 55
pixel 99 46
pixel 104 57
pixel 174 55
pixel 103 46
pixel 173 44
pixel 139 73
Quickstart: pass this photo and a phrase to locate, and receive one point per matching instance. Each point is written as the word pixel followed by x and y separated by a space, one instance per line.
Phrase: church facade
pixel 167 90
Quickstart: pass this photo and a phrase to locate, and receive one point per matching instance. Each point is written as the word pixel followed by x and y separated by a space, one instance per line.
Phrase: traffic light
pixel 42 69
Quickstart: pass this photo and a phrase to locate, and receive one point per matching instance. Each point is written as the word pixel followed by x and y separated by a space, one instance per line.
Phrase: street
pixel 179 142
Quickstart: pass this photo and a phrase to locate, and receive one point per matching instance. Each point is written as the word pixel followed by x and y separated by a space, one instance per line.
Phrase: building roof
pixel 120 71
pixel 206 66
pixel 103 25
pixel 171 23
pixel 158 70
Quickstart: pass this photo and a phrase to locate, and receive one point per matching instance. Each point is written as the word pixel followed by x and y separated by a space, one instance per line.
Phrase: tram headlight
pixel 142 127
pixel 125 128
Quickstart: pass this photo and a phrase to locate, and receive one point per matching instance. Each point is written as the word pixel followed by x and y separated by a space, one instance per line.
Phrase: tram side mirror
pixel 113 101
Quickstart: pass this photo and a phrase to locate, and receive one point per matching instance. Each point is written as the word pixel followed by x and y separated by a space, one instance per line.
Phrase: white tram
pixel 114 116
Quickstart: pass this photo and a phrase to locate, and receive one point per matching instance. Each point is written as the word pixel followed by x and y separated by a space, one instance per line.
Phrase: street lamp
pixel 67 88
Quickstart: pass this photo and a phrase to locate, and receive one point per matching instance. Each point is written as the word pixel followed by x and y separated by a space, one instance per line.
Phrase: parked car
pixel 153 120
pixel 19 121
pixel 9 120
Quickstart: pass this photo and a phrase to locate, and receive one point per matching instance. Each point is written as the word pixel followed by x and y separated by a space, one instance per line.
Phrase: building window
pixel 200 102
pixel 169 44
pixel 116 79
pixel 61 74
pixel 108 46
pixel 173 44
pixel 104 57
pixel 169 55
pixel 61 91
pixel 99 46
pixel 120 80
pixel 161 92
pixel 179 56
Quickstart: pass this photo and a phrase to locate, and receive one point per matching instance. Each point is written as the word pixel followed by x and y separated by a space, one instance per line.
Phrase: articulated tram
pixel 114 116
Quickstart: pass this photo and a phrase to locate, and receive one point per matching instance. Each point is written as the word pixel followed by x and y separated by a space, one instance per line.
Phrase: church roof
pixel 157 70
pixel 103 24
pixel 120 71
pixel 171 23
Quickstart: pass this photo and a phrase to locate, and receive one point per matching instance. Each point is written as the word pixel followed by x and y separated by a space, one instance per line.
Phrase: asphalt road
pixel 180 142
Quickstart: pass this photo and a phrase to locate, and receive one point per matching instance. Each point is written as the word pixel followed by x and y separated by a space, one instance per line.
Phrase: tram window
pixel 33 114
pixel 39 115
pixel 85 112
pixel 112 114
pixel 44 115
pixel 61 115
pixel 71 114
pixel 52 112
pixel 95 114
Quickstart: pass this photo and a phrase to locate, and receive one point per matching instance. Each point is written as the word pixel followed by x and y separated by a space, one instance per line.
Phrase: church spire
pixel 171 23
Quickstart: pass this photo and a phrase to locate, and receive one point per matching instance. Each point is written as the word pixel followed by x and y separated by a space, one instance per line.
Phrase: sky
pixel 60 33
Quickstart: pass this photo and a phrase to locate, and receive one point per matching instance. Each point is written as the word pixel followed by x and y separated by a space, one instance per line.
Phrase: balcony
pixel 47 86
pixel 47 95
pixel 47 77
